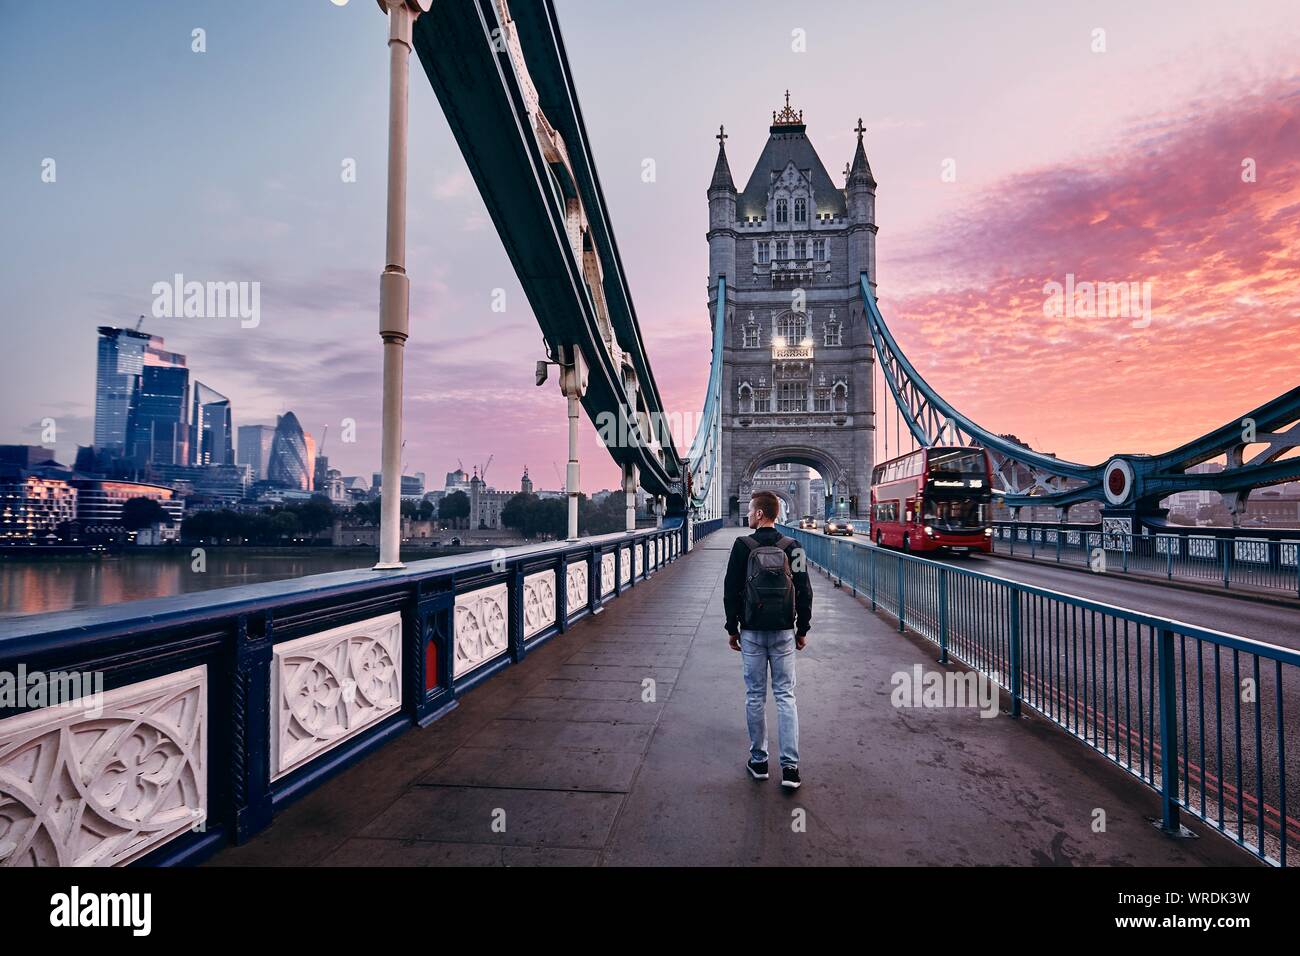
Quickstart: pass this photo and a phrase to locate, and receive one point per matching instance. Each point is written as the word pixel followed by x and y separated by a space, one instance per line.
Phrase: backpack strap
pixel 751 542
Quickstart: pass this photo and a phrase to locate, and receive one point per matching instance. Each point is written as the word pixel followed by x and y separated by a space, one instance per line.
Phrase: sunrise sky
pixel 1124 165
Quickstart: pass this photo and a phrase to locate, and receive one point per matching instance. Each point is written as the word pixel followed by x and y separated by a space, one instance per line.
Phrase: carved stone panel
pixel 575 583
pixel 624 566
pixel 606 573
pixel 638 560
pixel 328 687
pixel 539 602
pixel 482 627
pixel 102 781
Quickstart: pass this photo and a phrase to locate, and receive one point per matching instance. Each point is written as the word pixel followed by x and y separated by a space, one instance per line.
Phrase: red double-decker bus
pixel 934 498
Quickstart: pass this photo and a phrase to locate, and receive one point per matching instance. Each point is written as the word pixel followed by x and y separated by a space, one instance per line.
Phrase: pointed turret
pixel 860 171
pixel 861 195
pixel 722 214
pixel 721 169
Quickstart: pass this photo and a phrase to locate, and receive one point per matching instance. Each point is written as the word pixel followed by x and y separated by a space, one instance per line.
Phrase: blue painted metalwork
pixel 929 418
pixel 1066 658
pixel 531 162
pixel 1266 559
pixel 706 450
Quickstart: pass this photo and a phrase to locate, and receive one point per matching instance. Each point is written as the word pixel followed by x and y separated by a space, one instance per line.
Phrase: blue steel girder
pixel 705 454
pixel 1037 479
pixel 494 107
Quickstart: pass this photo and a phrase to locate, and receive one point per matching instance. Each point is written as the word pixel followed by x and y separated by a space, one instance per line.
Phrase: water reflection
pixel 41 586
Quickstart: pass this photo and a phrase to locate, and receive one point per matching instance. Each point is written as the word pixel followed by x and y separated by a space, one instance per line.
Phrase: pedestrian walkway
pixel 560 760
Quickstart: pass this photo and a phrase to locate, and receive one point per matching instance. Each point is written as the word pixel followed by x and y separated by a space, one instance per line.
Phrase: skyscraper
pixel 159 431
pixel 290 466
pixel 122 356
pixel 210 436
pixel 255 443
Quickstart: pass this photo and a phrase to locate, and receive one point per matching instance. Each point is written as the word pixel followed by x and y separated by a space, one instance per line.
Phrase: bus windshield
pixel 953 514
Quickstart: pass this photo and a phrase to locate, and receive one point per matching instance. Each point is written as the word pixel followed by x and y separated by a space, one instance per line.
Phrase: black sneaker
pixel 757 770
pixel 790 777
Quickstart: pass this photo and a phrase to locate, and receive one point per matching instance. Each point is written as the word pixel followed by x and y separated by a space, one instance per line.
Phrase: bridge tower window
pixel 822 400
pixel 801 210
pixel 763 251
pixel 793 327
pixel 800 247
pixel 840 397
pixel 819 250
pixel 782 248
pixel 833 332
pixel 791 397
pixel 782 211
pixel 751 336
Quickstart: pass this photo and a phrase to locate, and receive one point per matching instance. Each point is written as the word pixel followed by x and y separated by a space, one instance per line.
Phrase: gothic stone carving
pixel 575 583
pixel 539 602
pixel 328 687
pixel 85 786
pixel 482 627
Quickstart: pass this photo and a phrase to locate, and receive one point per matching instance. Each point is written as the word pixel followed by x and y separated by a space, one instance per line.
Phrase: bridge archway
pixel 835 476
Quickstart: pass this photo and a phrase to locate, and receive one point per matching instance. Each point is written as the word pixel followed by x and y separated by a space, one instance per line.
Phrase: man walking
pixel 768 600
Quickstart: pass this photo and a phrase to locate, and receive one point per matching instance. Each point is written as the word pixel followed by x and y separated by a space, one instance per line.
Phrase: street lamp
pixel 394 286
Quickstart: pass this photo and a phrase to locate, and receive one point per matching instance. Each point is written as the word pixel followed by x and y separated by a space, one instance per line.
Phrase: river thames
pixel 47 584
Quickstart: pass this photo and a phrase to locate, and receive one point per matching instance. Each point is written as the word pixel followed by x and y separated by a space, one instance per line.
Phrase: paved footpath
pixel 587 773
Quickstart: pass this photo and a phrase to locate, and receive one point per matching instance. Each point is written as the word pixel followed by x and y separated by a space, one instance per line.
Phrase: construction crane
pixel 482 471
pixel 559 477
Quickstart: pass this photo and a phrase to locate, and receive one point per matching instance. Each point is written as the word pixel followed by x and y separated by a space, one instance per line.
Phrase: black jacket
pixel 733 587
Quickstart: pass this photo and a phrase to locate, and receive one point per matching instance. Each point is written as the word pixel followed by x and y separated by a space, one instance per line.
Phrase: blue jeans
pixel 759 650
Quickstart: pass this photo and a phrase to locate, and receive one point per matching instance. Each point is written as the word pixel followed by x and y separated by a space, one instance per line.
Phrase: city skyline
pixel 1111 189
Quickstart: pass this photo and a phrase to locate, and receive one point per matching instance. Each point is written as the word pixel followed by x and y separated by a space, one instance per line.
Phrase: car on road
pixel 808 522
pixel 838 526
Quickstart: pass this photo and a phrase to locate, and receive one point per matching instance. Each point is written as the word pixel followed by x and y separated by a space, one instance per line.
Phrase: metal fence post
pixel 943 615
pixel 874 552
pixel 1015 651
pixel 1058 545
pixel 1223 543
pixel 1124 543
pixel 1170 544
pixel 902 594
pixel 1168 734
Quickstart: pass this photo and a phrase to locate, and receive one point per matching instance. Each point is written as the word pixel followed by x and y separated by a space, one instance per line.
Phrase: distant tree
pixel 140 513
pixel 453 506
pixel 424 511
pixel 515 514
pixel 285 524
pixel 315 515
pixel 366 512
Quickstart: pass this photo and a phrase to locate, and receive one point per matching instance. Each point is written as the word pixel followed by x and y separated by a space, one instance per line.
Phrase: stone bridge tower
pixel 798 365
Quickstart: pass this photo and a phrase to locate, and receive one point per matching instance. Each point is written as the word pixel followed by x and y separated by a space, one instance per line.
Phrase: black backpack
pixel 769 586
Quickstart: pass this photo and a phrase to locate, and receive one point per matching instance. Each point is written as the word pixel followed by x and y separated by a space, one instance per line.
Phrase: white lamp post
pixel 394 286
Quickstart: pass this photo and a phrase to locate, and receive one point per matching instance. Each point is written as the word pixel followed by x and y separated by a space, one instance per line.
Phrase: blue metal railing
pixel 1197 715
pixel 1268 561
pixel 256 677
pixel 701 528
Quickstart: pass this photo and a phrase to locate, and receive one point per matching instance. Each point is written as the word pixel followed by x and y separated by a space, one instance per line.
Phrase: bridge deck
pixel 589 774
